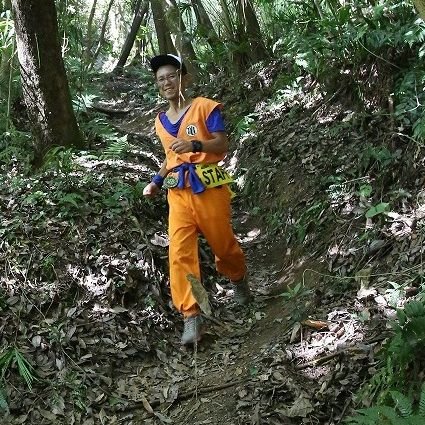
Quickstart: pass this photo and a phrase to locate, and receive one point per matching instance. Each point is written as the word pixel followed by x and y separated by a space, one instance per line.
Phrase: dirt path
pixel 293 356
pixel 85 287
pixel 260 365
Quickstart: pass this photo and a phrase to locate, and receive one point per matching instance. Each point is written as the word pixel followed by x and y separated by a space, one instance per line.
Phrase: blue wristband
pixel 158 180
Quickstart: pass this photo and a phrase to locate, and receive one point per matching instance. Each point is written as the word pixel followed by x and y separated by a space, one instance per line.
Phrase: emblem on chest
pixel 191 130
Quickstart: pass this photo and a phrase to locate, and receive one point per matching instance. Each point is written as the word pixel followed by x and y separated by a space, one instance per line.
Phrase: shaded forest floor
pixel 330 216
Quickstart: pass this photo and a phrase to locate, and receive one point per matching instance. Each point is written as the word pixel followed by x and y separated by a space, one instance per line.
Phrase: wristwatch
pixel 196 146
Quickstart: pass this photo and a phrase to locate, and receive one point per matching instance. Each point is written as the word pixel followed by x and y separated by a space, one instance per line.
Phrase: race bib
pixel 212 175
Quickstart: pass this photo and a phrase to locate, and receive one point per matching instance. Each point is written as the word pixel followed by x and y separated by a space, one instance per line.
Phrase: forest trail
pixel 324 108
pixel 293 356
pixel 259 364
pixel 86 264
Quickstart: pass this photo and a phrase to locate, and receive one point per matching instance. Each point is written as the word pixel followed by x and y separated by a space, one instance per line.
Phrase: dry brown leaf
pixel 295 331
pixel 173 393
pixel 163 418
pixel 48 415
pixel 315 324
pixel 146 404
pixel 200 294
pixel 36 341
pixel 301 408
pixel 160 240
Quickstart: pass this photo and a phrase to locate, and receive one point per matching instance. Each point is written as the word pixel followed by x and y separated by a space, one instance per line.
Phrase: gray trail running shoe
pixel 191 330
pixel 242 293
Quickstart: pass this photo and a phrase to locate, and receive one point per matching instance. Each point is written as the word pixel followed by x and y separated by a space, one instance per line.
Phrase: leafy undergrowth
pixel 330 214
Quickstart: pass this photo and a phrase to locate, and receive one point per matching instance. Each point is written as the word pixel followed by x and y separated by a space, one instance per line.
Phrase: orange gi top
pixel 193 127
pixel 208 213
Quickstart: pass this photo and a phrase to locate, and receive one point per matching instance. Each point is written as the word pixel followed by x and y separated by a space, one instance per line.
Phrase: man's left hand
pixel 181 146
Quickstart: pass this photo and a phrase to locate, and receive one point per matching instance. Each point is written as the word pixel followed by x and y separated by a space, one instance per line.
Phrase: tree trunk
pixel 420 6
pixel 252 31
pixel 165 43
pixel 228 24
pixel 182 41
pixel 140 11
pixel 102 32
pixel 44 82
pixel 89 41
pixel 141 44
pixel 204 21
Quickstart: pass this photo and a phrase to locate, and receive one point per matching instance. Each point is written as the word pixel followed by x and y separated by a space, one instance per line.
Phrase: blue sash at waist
pixel 194 180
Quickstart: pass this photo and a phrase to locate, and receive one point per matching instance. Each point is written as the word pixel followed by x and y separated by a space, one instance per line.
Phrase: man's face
pixel 168 80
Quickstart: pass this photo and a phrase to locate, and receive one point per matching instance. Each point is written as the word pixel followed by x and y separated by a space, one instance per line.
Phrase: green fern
pixel 402 413
pixel 25 368
pixel 98 127
pixel 59 158
pixel 414 309
pixel 5 360
pixel 11 356
pixel 117 149
pixel 402 403
pixel 400 357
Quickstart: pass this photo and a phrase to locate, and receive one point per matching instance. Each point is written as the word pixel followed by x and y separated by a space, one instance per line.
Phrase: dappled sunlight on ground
pixel 331 250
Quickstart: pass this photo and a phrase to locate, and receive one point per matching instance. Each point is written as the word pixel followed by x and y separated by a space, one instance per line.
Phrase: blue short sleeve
pixel 215 121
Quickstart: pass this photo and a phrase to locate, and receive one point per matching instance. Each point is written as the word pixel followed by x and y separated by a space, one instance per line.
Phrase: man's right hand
pixel 151 190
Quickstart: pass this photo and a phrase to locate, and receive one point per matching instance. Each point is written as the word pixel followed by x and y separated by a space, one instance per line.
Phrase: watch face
pixel 197 146
pixel 170 182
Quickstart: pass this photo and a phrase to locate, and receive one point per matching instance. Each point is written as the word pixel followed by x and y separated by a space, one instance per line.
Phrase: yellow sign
pixel 212 175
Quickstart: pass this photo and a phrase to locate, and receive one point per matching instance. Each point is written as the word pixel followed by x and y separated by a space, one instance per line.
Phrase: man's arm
pixel 163 170
pixel 153 188
pixel 218 144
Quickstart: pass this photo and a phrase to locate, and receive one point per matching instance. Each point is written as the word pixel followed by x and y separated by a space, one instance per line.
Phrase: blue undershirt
pixel 214 122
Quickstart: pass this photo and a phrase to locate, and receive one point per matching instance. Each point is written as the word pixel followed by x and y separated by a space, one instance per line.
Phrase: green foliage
pixel 245 125
pixel 117 149
pixel 410 96
pixel 377 209
pixel 8 71
pixel 376 157
pixel 403 412
pixel 78 388
pixel 12 356
pixel 15 150
pixel 59 158
pixel 68 200
pixel 79 395
pixel 4 406
pixel 299 290
pixel 365 190
pixel 356 46
pixel 83 101
pixel 98 127
pixel 308 219
pixel 402 356
pixel 70 22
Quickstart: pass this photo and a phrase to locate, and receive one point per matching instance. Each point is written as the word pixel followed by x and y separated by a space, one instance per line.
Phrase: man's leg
pixel 183 251
pixel 213 214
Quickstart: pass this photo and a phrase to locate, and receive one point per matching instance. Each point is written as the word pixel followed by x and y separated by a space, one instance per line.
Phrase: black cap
pixel 169 59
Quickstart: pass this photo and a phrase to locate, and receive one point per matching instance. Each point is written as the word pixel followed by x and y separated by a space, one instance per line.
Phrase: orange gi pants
pixel 208 213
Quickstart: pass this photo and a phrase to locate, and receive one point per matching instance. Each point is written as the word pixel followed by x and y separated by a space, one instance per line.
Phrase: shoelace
pixel 190 328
